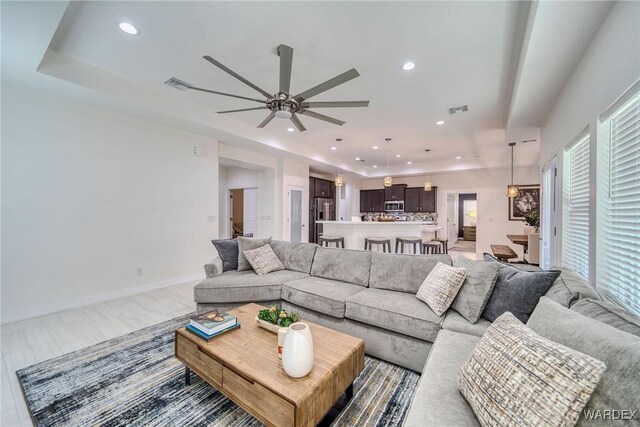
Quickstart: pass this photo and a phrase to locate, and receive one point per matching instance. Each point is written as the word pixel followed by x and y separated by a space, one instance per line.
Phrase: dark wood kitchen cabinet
pixel 395 192
pixel 323 188
pixel 371 201
pixel 418 200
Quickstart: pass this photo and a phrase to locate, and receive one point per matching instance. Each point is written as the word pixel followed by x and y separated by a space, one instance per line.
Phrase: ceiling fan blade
pixel 329 84
pixel 322 117
pixel 286 61
pixel 296 121
pixel 237 76
pixel 215 92
pixel 267 120
pixel 243 109
pixel 334 104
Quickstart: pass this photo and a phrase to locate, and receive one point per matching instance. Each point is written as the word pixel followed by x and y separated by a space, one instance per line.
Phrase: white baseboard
pixel 15 316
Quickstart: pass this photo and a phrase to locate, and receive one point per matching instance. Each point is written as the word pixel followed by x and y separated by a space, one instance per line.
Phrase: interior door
pixel 296 225
pixel 548 218
pixel 452 225
pixel 250 217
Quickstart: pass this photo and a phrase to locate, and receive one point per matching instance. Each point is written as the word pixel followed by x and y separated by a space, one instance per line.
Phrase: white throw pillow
pixel 441 286
pixel 263 260
pixel 516 377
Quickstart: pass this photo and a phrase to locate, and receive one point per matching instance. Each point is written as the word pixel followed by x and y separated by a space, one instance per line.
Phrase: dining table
pixel 519 239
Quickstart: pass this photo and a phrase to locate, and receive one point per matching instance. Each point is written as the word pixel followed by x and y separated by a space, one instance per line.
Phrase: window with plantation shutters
pixel 619 266
pixel 575 226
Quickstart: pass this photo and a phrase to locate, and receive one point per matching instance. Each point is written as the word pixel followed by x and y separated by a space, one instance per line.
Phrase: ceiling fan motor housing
pixel 283 108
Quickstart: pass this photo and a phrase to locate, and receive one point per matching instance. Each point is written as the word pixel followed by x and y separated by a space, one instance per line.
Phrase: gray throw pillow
pixel 228 253
pixel 609 313
pixel 246 244
pixel 619 387
pixel 517 291
pixel 476 289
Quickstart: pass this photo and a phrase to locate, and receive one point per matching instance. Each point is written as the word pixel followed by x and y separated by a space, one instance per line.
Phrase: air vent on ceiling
pixel 177 84
pixel 360 160
pixel 462 109
pixel 529 140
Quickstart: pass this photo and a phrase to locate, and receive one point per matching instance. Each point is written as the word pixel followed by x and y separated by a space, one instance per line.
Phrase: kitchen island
pixel 354 232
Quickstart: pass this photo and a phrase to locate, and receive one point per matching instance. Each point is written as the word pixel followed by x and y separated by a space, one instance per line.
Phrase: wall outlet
pixel 139 271
pixel 197 150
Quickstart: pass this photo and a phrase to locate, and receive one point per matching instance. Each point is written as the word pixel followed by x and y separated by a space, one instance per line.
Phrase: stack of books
pixel 211 324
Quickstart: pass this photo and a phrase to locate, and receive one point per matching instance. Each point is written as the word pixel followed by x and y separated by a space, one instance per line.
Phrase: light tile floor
pixel 35 340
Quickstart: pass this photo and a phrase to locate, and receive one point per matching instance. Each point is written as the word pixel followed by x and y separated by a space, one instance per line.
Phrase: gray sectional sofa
pixel 372 296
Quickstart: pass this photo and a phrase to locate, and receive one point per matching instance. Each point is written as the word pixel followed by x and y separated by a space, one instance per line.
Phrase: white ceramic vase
pixel 297 352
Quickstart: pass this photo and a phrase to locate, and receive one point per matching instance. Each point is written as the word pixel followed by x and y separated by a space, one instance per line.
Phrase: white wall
pixel 490 185
pixel 90 195
pixel 610 66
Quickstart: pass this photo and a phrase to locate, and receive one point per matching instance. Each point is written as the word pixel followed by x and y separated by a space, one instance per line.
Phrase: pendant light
pixel 512 190
pixel 388 180
pixel 427 183
pixel 338 179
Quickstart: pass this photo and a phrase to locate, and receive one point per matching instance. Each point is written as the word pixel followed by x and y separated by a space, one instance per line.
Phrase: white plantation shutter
pixel 575 234
pixel 620 278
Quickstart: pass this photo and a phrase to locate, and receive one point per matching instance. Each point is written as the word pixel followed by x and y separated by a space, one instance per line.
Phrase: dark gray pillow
pixel 619 387
pixel 248 243
pixel 609 313
pixel 517 291
pixel 476 289
pixel 228 253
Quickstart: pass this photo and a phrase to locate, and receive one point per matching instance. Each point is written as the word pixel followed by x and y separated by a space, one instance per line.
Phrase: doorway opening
pixel 243 212
pixel 461 221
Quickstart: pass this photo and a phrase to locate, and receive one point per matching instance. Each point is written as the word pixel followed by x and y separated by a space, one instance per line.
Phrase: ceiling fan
pixel 283 104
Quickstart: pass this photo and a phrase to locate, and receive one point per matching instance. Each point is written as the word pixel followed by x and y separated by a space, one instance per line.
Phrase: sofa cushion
pixel 569 287
pixel 517 291
pixel 246 244
pixel 437 401
pixel 295 256
pixel 243 286
pixel 402 272
pixel 453 321
pixel 228 253
pixel 476 289
pixel 441 286
pixel 323 295
pixel 517 377
pixel 396 311
pixel 619 387
pixel 263 260
pixel 609 313
pixel 342 264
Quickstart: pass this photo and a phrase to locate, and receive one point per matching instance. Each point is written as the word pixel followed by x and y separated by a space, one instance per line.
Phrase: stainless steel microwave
pixel 394 206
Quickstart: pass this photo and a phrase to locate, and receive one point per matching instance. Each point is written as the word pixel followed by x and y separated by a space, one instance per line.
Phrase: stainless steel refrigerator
pixel 321 210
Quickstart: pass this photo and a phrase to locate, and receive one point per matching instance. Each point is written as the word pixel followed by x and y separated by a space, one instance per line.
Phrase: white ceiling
pixel 465 53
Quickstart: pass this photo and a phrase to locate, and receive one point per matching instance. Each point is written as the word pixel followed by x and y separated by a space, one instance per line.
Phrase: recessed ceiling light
pixel 334 148
pixel 375 166
pixel 357 159
pixel 128 28
pixel 409 163
pixel 290 129
pixel 408 66
pixel 398 155
pixel 375 147
pixel 458 157
pixel 440 122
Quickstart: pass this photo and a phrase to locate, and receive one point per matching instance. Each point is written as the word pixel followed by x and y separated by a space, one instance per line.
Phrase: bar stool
pixel 377 240
pixel 408 240
pixel 443 242
pixel 324 240
pixel 431 248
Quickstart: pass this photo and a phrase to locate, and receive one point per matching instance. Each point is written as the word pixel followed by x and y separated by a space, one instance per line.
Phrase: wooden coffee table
pixel 243 365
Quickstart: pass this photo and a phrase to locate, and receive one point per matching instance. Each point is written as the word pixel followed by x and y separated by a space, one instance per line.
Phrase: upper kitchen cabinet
pixel 323 188
pixel 395 192
pixel 418 200
pixel 372 201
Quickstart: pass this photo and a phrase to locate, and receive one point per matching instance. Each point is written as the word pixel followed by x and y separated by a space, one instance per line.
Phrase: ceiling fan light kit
pixel 282 104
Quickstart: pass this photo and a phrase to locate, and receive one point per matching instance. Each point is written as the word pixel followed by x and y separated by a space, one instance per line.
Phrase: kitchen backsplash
pixel 399 216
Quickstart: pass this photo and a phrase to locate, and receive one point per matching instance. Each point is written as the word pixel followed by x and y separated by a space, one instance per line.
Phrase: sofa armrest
pixel 213 268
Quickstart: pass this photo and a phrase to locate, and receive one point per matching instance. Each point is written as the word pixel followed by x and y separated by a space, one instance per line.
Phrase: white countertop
pixel 424 223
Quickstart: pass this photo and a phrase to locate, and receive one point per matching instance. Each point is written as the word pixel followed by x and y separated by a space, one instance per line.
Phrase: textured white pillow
pixel 516 377
pixel 263 260
pixel 441 286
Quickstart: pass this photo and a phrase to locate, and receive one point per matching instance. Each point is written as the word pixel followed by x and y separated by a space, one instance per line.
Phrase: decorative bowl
pixel 268 326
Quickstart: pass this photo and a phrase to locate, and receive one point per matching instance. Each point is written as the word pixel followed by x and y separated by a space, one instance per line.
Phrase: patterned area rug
pixel 134 380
